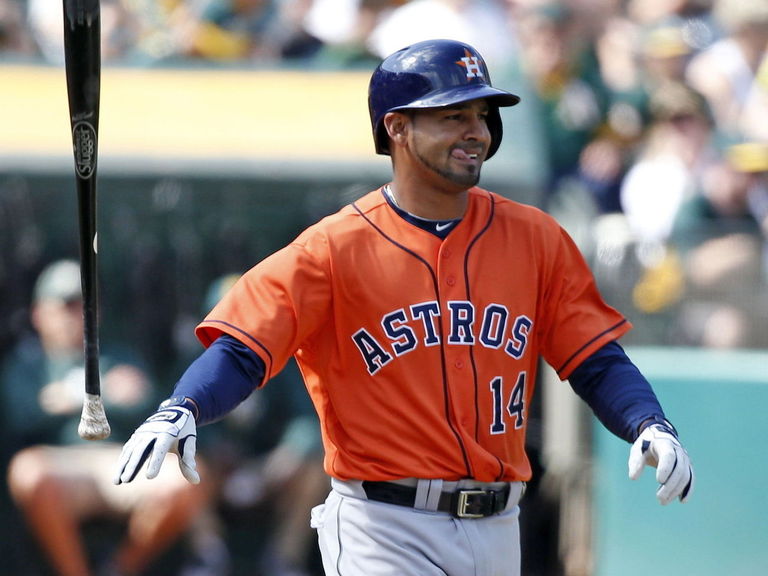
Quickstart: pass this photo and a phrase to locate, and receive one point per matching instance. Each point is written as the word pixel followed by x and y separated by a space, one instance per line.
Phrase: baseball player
pixel 418 315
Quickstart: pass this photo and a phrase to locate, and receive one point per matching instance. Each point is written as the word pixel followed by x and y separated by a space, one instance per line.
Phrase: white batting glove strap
pixel 658 446
pixel 169 429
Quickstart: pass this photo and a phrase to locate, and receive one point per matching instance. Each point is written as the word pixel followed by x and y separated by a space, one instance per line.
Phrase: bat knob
pixel 93 420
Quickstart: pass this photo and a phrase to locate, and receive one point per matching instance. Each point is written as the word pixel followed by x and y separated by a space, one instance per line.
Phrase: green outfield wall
pixel 718 402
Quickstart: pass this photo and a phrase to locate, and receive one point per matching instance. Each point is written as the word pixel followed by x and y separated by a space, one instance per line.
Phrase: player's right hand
pixel 169 429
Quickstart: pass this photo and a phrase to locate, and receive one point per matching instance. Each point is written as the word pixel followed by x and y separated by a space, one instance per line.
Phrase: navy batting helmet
pixel 433 74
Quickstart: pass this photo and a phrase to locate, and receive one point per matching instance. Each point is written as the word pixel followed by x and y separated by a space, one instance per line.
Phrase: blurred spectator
pixel 357 32
pixel 60 482
pixel 664 54
pixel 571 101
pixel 15 40
pixel 755 115
pixel 604 160
pixel 670 169
pixel 677 148
pixel 228 30
pixel 481 23
pixel 290 32
pixel 347 46
pixel 722 234
pixel 242 31
pixel 333 21
pixel 344 28
pixel 157 31
pixel 726 72
pixel 45 20
pixel 265 459
pixel 694 16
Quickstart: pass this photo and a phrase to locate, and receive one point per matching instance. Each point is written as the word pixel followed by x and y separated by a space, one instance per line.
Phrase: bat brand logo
pixel 84 143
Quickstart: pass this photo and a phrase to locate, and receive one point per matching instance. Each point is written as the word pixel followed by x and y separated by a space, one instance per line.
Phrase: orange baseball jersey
pixel 420 354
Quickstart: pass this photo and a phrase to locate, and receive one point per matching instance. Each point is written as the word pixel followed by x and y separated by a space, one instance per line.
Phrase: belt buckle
pixel 463 503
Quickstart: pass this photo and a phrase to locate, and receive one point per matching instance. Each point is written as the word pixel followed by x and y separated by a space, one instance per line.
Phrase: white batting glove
pixel 169 429
pixel 658 446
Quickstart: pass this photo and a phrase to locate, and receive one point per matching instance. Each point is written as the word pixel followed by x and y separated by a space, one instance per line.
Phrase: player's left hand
pixel 658 446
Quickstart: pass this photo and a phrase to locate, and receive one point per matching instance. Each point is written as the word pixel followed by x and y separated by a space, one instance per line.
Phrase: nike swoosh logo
pixel 443 226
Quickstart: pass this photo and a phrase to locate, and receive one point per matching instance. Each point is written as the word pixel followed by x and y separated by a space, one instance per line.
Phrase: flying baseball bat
pixel 82 56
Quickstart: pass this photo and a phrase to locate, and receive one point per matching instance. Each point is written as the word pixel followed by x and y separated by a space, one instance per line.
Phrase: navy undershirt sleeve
pixel 613 387
pixel 622 399
pixel 222 377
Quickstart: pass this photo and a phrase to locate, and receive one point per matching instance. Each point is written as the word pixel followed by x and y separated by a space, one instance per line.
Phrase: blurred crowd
pixel 651 117
pixel 62 515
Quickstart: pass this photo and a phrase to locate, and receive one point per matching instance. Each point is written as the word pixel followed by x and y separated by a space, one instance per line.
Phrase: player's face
pixel 452 142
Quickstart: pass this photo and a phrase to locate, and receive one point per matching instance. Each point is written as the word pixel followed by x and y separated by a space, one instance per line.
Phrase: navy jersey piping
pixel 268 373
pixel 570 359
pixel 468 289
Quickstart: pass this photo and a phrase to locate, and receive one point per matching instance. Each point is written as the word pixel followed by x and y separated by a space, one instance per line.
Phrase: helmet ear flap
pixel 382 140
pixel 496 129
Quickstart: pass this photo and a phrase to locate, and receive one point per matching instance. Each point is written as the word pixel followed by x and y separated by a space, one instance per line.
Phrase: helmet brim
pixel 443 98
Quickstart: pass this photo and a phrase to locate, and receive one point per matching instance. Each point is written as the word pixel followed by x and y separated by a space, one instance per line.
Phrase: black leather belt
pixel 461 503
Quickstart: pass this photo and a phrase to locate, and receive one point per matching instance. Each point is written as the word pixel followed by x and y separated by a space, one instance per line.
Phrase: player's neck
pixel 428 202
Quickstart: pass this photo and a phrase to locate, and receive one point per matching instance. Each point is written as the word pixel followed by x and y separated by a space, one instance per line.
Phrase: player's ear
pixel 396 124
